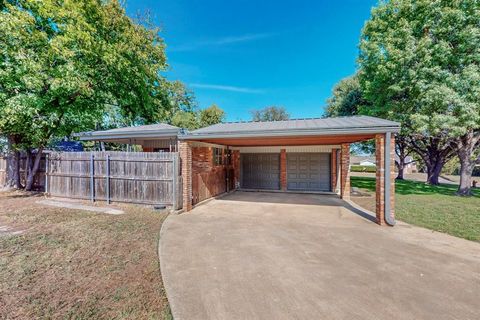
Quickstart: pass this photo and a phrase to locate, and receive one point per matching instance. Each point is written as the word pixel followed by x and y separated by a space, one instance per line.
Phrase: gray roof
pixel 315 126
pixel 151 131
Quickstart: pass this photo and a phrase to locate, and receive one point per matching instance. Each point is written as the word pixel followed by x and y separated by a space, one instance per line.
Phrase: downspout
pixel 388 214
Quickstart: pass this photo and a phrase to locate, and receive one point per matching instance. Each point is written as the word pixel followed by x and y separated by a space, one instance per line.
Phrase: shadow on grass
pixel 407 187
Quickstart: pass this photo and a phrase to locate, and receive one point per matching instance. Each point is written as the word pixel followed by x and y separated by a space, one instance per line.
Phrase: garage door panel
pixel 308 171
pixel 260 171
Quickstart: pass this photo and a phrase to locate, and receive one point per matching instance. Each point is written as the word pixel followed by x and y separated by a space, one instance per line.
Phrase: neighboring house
pixel 303 155
pixel 362 161
pixel 410 166
pixel 367 161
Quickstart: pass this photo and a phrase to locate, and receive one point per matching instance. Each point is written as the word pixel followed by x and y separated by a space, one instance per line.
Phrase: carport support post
pixel 345 171
pixel 186 170
pixel 385 178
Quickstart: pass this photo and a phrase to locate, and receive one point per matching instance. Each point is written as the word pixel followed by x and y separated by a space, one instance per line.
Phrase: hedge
pixel 358 168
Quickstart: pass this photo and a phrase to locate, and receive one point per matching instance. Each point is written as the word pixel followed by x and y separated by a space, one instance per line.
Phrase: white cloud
pixel 225 88
pixel 221 41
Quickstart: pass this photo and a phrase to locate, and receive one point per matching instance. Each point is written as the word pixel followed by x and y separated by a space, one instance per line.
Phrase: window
pixel 222 156
pixel 218 156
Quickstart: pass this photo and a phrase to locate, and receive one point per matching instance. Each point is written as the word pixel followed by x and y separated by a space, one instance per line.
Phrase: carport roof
pixel 160 130
pixel 300 127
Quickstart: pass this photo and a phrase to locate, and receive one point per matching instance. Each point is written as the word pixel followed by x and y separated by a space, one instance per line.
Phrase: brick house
pixel 302 155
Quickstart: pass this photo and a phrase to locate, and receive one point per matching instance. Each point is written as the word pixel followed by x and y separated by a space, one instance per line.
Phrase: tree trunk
pixel 433 172
pixel 402 151
pixel 28 162
pixel 401 168
pixel 466 169
pixel 466 148
pixel 435 152
pixel 33 171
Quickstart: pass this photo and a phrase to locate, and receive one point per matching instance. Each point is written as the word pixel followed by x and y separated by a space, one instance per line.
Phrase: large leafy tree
pixel 272 113
pixel 62 62
pixel 347 98
pixel 419 64
pixel 194 119
pixel 211 115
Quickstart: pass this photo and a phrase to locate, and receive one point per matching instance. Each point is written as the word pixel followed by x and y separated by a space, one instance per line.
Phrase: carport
pixel 301 155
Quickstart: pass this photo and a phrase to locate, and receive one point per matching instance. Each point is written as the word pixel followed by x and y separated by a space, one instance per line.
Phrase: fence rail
pixel 132 177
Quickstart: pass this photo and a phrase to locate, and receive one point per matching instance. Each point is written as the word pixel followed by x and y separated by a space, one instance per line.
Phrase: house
pixel 300 155
pixel 362 161
pixel 369 161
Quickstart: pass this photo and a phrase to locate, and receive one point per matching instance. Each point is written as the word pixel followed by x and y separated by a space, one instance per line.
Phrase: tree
pixel 185 119
pixel 272 113
pixel 417 67
pixel 347 98
pixel 62 63
pixel 211 115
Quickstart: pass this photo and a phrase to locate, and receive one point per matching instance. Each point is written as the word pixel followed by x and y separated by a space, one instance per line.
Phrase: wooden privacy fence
pixel 38 180
pixel 133 177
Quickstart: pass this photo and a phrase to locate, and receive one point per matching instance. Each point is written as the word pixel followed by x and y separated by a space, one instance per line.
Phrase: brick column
pixel 186 165
pixel 380 178
pixel 283 169
pixel 345 171
pixel 333 170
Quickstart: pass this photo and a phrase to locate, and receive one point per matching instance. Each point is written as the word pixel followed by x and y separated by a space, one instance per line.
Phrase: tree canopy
pixel 63 63
pixel 347 98
pixel 194 119
pixel 272 113
pixel 211 115
pixel 420 65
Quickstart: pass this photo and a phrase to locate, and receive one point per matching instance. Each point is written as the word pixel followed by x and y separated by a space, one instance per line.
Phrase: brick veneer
pixel 283 169
pixel 186 166
pixel 345 171
pixel 202 159
pixel 380 178
pixel 333 170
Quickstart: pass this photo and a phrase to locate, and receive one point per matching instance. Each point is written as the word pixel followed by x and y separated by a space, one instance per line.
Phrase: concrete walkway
pixel 290 256
pixel 72 204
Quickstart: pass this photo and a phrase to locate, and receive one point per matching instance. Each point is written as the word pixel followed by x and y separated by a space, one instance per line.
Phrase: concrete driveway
pixel 299 256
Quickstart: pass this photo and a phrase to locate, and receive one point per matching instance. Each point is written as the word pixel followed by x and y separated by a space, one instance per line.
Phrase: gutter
pixel 388 212
pixel 286 133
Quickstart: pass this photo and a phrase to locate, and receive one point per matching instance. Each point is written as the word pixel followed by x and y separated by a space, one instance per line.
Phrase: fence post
pixel 175 180
pixel 92 177
pixel 47 158
pixel 108 178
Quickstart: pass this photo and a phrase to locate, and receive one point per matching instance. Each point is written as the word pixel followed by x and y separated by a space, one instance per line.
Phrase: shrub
pixel 358 168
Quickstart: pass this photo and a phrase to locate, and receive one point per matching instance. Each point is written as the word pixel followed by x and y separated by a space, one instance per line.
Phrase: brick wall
pixel 210 180
pixel 333 170
pixel 186 169
pixel 345 171
pixel 202 159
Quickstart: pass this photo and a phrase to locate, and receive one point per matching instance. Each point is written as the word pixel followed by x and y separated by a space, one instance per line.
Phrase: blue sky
pixel 245 55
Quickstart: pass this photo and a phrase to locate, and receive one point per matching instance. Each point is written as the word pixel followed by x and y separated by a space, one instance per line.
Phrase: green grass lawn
pixel 433 207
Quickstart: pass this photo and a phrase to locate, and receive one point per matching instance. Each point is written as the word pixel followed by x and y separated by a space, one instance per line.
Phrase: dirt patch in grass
pixel 78 264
